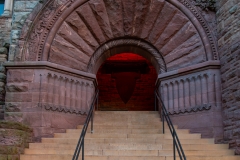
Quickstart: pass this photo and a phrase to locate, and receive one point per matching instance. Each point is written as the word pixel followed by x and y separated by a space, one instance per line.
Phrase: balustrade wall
pixel 192 92
pixel 192 96
pixel 66 93
pixel 48 97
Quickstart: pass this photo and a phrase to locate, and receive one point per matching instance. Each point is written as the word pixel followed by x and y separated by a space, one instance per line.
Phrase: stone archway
pixel 59 52
pixel 127 45
pixel 174 28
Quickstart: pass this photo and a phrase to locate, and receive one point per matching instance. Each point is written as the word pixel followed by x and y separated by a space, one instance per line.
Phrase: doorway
pixel 126 82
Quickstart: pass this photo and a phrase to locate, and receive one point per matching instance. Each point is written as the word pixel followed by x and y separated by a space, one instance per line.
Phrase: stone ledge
pixel 47 65
pixel 189 70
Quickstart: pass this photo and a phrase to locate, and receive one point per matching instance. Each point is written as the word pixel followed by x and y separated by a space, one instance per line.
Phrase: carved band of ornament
pixel 135 42
pixel 64 109
pixel 204 24
pixel 191 109
pixel 200 76
pixel 60 77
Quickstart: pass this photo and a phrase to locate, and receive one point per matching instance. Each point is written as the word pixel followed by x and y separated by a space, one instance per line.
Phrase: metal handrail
pixel 80 144
pixel 164 115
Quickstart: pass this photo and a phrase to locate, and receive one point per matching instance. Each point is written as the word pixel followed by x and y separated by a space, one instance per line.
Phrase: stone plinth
pixel 47 97
pixel 193 97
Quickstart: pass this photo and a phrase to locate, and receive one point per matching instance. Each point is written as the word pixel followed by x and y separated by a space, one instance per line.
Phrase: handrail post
pixel 163 121
pixel 92 123
pixel 174 150
pixel 97 103
pixel 165 117
pixel 90 117
pixel 155 102
pixel 83 149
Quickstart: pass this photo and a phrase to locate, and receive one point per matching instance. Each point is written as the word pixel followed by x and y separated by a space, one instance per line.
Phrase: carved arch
pixel 54 16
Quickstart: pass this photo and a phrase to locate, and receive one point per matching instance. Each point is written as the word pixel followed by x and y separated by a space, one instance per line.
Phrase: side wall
pixel 228 16
pixel 192 97
pixel 47 97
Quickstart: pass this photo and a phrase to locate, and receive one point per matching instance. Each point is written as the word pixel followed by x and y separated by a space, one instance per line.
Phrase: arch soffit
pixel 45 30
pixel 138 46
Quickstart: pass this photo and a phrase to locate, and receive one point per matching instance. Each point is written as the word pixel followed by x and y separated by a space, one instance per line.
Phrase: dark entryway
pixel 126 82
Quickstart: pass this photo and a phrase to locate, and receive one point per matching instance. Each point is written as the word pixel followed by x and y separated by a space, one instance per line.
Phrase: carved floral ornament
pixel 47 22
pixel 206 4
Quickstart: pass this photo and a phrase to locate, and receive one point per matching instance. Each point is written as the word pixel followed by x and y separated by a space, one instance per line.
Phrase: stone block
pixel 20 75
pixel 17 87
pixel 3 51
pixel 18 97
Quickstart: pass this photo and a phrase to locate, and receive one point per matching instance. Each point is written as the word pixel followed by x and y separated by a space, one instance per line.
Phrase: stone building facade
pixel 51 51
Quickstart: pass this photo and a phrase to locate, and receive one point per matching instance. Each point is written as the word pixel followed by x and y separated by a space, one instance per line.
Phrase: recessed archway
pixel 126 81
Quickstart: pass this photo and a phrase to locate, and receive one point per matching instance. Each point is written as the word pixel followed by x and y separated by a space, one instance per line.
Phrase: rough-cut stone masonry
pixel 5 31
pixel 14 137
pixel 21 10
pixel 228 16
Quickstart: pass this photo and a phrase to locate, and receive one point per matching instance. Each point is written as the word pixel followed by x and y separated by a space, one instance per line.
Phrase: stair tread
pixel 127 136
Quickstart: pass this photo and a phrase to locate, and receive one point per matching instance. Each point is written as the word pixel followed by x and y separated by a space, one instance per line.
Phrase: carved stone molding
pixel 204 24
pixel 51 86
pixel 37 42
pixel 191 90
pixel 191 109
pixel 152 52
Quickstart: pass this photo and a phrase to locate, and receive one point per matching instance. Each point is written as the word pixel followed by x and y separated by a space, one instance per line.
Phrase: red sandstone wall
pixel 142 97
pixel 229 52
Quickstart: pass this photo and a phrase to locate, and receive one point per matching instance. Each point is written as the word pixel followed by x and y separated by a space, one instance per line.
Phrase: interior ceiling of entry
pixel 99 21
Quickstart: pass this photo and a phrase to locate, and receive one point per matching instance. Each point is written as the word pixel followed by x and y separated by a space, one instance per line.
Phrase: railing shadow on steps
pixel 80 144
pixel 165 116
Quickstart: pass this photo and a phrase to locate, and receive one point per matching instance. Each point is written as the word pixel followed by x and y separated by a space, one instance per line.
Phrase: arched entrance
pixel 67 41
pixel 126 82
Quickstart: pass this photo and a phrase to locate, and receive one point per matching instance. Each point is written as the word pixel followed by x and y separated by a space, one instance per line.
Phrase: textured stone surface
pixel 100 20
pixel 48 101
pixel 192 97
pixel 114 11
pixel 229 51
pixel 14 138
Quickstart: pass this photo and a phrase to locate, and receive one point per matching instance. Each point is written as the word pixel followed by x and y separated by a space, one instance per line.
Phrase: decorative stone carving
pixel 63 94
pixel 191 92
pixel 204 24
pixel 206 4
pixel 52 87
pixel 39 35
pixel 154 53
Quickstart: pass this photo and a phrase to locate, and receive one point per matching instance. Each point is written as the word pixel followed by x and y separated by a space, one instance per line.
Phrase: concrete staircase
pixel 127 135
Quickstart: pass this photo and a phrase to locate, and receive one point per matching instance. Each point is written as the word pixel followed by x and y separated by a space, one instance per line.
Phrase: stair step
pixel 126 131
pixel 127 136
pixel 110 152
pixel 68 157
pixel 126 140
pixel 128 126
pixel 131 146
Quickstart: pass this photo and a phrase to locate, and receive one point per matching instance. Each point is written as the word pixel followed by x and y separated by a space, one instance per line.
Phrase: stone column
pixel 8 7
